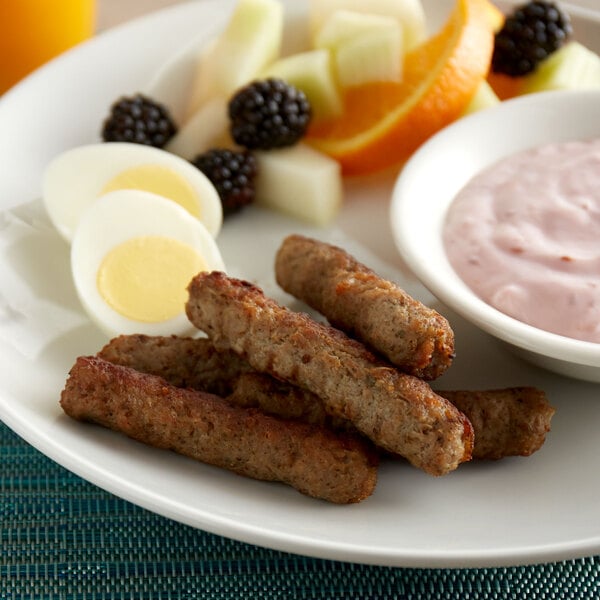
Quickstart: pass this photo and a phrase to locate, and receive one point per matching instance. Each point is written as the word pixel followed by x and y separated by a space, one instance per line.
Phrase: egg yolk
pixel 158 180
pixel 146 278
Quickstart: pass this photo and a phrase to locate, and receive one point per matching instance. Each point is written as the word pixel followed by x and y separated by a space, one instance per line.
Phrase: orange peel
pixel 383 123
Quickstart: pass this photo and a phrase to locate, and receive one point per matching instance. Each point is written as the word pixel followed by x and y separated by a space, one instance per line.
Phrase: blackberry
pixel 529 35
pixel 269 113
pixel 232 173
pixel 140 120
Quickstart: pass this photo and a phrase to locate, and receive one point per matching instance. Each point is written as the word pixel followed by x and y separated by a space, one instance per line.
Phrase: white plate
pixel 516 511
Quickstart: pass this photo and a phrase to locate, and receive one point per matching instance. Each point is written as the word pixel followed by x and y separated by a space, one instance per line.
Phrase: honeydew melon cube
pixel 365 47
pixel 207 128
pixel 203 84
pixel 343 26
pixel 251 40
pixel 496 17
pixel 484 97
pixel 372 56
pixel 571 67
pixel 301 182
pixel 409 14
pixel 311 72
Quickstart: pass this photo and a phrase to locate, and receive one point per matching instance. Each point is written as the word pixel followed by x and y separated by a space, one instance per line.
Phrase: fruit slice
pixel 250 41
pixel 384 122
pixel 311 72
pixel 571 67
pixel 484 97
pixel 365 47
pixel 344 25
pixel 202 84
pixel 300 182
pixel 496 17
pixel 504 86
pixel 373 56
pixel 409 14
pixel 206 129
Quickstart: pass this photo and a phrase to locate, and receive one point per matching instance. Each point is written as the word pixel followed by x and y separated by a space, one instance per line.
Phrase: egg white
pixel 75 179
pixel 115 218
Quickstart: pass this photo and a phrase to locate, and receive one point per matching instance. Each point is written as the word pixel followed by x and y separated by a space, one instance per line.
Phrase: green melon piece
pixel 484 97
pixel 311 72
pixel 300 182
pixel 571 67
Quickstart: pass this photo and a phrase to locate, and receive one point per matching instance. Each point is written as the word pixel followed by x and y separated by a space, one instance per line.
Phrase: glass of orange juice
pixel 34 31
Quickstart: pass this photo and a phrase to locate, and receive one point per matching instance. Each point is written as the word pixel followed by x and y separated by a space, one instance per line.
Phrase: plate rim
pixel 331 550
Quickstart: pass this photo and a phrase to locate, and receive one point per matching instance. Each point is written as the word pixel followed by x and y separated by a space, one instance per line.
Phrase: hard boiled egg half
pixel 74 179
pixel 133 255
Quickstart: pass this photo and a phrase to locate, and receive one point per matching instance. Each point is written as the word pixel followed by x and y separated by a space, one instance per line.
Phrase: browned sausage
pixel 182 361
pixel 314 460
pixel 396 411
pixel 412 336
pixel 507 422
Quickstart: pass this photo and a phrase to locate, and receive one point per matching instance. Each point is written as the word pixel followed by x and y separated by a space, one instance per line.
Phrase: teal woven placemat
pixel 63 537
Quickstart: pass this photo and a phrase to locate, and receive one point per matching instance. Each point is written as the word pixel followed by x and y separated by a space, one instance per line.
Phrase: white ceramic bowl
pixel 429 182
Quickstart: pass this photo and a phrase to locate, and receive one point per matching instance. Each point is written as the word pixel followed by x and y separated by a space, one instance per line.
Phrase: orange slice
pixel 383 123
pixel 505 86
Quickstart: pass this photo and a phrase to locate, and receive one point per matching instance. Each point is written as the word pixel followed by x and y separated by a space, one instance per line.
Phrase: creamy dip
pixel 524 235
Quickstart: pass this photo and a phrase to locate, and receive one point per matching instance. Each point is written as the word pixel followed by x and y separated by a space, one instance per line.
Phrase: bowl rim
pixel 431 266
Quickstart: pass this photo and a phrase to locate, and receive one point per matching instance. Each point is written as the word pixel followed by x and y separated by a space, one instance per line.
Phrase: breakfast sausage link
pixel 396 411
pixel 412 336
pixel 507 422
pixel 182 361
pixel 520 416
pixel 314 460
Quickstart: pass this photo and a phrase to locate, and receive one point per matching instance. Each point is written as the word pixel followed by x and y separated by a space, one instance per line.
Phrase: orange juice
pixel 34 31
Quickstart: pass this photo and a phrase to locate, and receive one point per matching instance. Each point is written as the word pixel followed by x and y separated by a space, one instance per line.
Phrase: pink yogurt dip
pixel 524 235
